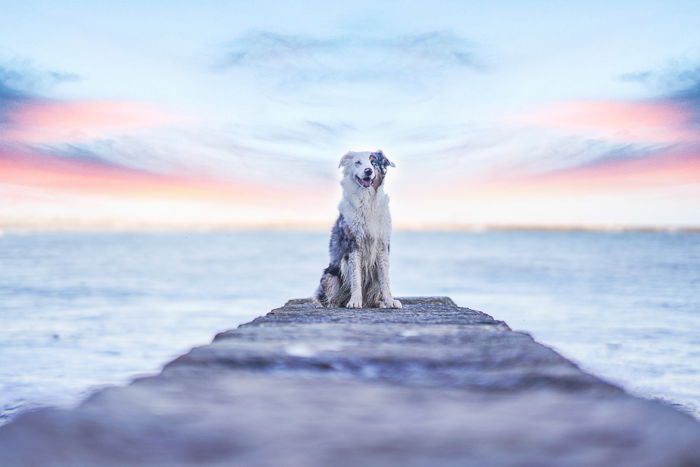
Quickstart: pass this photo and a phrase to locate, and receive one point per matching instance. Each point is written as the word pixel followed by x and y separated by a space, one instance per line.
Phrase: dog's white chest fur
pixel 367 214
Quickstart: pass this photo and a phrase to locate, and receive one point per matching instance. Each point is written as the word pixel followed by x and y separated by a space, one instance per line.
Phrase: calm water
pixel 79 311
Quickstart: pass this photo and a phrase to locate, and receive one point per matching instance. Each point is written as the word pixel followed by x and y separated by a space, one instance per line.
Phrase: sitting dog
pixel 358 274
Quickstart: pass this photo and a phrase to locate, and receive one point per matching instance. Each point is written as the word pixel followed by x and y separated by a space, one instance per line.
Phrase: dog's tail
pixel 328 292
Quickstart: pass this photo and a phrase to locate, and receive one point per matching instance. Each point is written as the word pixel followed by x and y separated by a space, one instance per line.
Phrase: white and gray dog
pixel 358 274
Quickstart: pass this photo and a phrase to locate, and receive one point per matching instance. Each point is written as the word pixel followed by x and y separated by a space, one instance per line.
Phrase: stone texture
pixel 430 384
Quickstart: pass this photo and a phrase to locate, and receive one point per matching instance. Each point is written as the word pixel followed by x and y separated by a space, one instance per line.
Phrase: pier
pixel 431 384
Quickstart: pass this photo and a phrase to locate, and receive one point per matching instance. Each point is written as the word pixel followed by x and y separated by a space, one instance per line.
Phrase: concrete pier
pixel 432 384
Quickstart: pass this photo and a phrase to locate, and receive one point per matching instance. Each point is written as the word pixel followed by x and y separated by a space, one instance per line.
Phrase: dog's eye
pixel 358 162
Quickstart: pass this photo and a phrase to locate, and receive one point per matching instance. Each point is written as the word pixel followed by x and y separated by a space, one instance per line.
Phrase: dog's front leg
pixel 355 273
pixel 386 300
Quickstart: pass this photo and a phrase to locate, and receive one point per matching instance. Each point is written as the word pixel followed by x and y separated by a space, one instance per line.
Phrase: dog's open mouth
pixel 365 182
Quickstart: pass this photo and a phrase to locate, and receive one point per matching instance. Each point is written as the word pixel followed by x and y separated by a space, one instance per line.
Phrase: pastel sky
pixel 235 113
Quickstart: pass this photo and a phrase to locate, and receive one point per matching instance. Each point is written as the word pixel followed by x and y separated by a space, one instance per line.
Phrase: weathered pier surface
pixel 431 384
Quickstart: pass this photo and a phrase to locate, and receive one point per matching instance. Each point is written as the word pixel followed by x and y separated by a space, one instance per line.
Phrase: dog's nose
pixel 368 171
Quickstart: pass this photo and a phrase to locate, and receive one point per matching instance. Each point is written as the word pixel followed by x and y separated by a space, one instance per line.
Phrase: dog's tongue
pixel 366 182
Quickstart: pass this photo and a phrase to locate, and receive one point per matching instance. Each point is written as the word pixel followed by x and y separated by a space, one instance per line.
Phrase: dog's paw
pixel 392 303
pixel 354 303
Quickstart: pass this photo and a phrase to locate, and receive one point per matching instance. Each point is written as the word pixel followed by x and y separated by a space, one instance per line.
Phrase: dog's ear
pixel 346 160
pixel 385 162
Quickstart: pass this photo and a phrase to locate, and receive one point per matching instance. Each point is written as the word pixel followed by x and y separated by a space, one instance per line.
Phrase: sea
pixel 81 311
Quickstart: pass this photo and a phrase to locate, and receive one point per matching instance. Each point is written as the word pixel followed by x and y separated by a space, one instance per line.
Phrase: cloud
pixel 690 95
pixel 300 60
pixel 511 152
pixel 678 83
pixel 67 130
pixel 81 189
pixel 72 151
pixel 23 76
pixel 636 76
pixel 8 93
pixel 265 48
pixel 624 153
pixel 11 96
pixel 330 129
pixel 436 49
pixel 21 85
pixel 66 121
pixel 618 171
pixel 309 133
pixel 659 121
pixel 675 76
pixel 40 172
pixel 586 136
pixel 137 136
pixel 19 81
pixel 102 133
pixel 264 157
pixel 622 172
pixel 608 133
pixel 575 153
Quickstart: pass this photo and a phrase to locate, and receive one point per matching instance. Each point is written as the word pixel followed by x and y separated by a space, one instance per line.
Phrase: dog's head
pixel 367 169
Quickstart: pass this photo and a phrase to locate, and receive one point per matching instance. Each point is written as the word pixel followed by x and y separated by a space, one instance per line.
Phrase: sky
pixel 234 114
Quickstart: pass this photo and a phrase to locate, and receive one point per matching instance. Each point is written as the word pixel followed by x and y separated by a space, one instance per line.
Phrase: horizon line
pixel 82 226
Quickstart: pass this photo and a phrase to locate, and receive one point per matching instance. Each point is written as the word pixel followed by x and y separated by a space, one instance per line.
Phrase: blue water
pixel 82 310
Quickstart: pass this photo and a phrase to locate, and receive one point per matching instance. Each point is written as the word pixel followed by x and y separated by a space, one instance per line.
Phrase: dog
pixel 358 273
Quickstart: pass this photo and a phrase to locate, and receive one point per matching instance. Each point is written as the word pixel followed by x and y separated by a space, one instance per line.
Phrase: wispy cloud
pixel 307 133
pixel 12 93
pixel 21 77
pixel 28 115
pixel 8 93
pixel 76 191
pixel 69 130
pixel 689 95
pixel 620 171
pixel 625 133
pixel 269 49
pixel 679 83
pixel 65 121
pixel 436 49
pixel 660 121
pixel 511 152
pixel 677 75
pixel 21 83
pixel 299 60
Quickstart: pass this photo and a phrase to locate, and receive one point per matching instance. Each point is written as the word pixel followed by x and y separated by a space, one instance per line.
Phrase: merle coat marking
pixel 358 273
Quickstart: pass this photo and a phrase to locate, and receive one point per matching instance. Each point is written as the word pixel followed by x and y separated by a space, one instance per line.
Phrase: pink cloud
pixel 50 122
pixel 42 191
pixel 663 170
pixel 81 177
pixel 638 122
